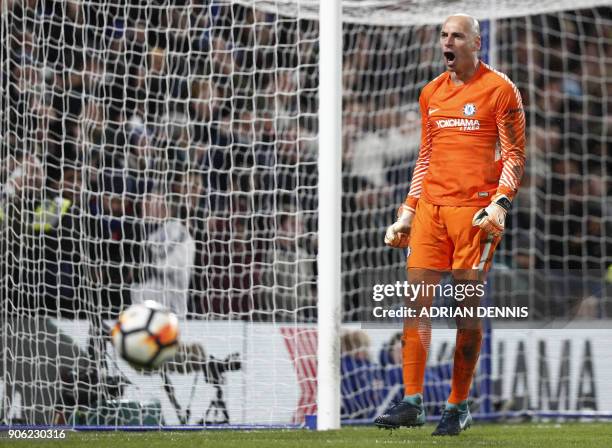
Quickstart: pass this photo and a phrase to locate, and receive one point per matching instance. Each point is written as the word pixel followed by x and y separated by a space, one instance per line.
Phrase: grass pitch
pixel 591 435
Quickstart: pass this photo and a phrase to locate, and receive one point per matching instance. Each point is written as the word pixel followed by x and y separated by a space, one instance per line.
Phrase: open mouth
pixel 449 55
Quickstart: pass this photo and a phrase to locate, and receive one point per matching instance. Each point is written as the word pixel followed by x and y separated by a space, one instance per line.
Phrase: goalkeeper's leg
pixel 467 350
pixel 472 257
pixel 415 347
pixel 456 415
pixel 429 256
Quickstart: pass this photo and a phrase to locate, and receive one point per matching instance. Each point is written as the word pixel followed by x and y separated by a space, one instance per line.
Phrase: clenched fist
pixel 492 219
pixel 398 233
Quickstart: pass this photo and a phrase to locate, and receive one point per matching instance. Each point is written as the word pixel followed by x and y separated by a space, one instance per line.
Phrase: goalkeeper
pixel 469 168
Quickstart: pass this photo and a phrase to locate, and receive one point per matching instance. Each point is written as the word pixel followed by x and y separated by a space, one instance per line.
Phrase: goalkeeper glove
pixel 398 233
pixel 492 218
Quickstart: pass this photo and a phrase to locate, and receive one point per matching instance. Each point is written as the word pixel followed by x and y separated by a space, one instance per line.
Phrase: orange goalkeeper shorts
pixel 443 238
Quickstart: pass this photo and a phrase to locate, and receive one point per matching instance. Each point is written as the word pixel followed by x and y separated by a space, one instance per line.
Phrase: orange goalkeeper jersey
pixel 472 140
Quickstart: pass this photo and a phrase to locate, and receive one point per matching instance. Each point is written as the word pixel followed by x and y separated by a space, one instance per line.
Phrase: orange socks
pixel 414 353
pixel 415 346
pixel 467 350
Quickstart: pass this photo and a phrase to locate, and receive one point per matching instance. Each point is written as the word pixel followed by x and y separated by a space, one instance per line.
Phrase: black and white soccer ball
pixel 146 335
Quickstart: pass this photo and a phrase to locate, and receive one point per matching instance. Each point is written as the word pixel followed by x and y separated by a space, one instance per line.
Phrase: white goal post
pixel 330 209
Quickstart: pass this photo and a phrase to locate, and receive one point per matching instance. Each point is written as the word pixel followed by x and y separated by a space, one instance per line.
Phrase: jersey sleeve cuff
pixel 506 191
pixel 411 202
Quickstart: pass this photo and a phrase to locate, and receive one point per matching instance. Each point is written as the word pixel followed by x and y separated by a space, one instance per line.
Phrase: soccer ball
pixel 146 335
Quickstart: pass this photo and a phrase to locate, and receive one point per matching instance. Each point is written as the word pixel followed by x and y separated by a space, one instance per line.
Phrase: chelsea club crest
pixel 469 109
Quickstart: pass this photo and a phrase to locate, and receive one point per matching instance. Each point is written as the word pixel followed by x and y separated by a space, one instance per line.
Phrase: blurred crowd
pixel 167 150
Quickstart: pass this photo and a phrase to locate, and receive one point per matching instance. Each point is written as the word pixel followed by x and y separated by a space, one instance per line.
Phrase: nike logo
pixel 433 111
pixel 463 422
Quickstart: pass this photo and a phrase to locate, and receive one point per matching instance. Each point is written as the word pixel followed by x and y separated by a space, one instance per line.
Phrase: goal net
pixel 167 150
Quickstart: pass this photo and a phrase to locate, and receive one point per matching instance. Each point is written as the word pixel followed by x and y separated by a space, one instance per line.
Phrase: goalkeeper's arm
pixel 510 122
pixel 398 233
